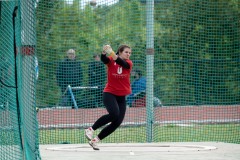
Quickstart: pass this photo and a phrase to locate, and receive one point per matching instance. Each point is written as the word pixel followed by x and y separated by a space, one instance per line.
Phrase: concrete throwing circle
pixel 142 147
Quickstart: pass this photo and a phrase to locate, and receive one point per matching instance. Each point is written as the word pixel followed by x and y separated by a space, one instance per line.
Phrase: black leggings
pixel 116 107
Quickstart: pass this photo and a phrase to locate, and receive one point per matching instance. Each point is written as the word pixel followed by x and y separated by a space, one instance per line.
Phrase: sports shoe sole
pixel 95 148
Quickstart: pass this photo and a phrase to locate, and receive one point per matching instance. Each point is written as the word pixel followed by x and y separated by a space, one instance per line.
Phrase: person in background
pixel 118 86
pixel 69 72
pixel 138 96
pixel 138 87
pixel 97 78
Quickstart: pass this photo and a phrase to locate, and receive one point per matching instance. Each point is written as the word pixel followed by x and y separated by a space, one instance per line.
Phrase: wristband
pixel 112 54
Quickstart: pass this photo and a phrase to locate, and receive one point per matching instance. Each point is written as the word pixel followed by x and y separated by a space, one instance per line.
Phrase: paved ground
pixel 143 151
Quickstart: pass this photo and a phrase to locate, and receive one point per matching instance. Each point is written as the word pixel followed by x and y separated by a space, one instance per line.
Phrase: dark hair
pixel 122 47
pixel 95 55
pixel 139 72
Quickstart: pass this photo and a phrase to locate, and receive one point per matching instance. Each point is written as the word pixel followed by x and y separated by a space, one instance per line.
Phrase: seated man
pixel 138 87
pixel 138 96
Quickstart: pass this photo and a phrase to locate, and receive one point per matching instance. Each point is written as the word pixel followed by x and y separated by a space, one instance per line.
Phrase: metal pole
pixel 72 96
pixel 150 67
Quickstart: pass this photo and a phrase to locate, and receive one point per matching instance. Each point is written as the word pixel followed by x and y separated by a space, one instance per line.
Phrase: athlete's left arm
pixel 122 63
pixel 105 59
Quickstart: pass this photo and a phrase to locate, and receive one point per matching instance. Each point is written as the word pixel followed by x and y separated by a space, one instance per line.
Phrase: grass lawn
pixel 229 133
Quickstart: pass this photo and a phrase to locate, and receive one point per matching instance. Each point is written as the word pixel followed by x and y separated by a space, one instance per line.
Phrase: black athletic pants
pixel 116 107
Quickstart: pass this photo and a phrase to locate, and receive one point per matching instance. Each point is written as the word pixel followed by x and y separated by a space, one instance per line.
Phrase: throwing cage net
pixel 185 79
pixel 18 122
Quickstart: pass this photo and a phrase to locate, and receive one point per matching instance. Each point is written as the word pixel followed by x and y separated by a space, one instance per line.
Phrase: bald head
pixel 71 54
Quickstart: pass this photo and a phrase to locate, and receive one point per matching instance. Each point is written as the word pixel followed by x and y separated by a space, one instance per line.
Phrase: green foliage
pixel 198 39
pixel 168 133
pixel 196 45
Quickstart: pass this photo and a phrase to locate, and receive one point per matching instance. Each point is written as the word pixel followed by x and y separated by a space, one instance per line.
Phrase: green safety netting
pixel 18 122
